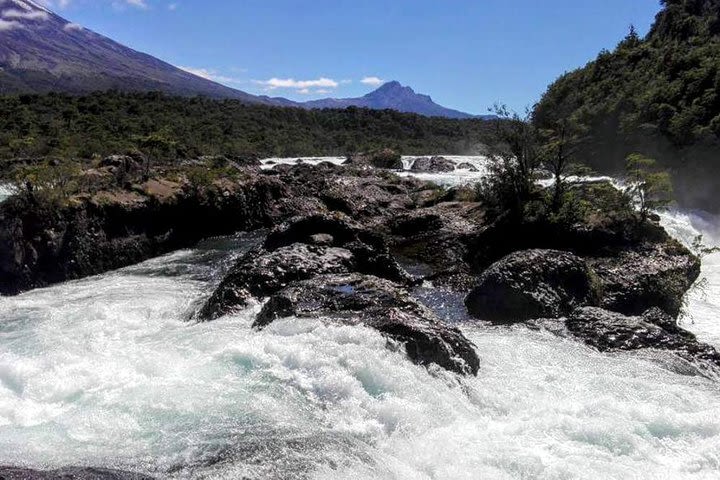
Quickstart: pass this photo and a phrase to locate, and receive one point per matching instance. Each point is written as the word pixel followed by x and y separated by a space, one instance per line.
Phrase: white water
pixel 5 192
pixel 107 372
pixel 457 177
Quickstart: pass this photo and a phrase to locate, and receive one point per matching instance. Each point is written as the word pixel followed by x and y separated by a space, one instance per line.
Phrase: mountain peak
pixel 42 52
pixel 392 96
pixel 394 86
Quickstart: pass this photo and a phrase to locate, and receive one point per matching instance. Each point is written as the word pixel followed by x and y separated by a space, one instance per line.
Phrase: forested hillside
pixel 104 123
pixel 658 95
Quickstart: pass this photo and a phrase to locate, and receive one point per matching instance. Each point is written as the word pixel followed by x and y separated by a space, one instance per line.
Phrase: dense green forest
pixel 112 122
pixel 658 95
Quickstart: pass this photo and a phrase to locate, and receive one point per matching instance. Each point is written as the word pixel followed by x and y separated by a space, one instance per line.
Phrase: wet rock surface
pixel 608 331
pixel 379 304
pixel 387 159
pixel 300 249
pixel 634 281
pixel 353 219
pixel 533 284
pixel 432 165
pixel 467 166
pixel 260 273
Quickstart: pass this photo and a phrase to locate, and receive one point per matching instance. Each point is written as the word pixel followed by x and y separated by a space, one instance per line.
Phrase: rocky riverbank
pixel 351 243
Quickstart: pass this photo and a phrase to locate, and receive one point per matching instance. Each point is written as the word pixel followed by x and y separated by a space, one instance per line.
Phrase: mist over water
pixel 108 371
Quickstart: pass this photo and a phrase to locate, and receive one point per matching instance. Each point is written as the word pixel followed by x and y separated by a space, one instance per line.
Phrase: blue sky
pixel 466 54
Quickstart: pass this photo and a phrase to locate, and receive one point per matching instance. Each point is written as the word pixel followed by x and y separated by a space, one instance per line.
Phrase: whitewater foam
pixel 107 371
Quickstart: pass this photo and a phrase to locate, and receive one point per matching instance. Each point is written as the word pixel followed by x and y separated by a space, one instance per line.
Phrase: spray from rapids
pixel 107 371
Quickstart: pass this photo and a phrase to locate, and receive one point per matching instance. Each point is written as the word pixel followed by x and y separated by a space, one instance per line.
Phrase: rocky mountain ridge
pixel 42 52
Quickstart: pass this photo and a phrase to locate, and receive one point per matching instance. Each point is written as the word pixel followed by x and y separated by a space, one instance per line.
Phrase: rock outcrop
pixel 432 165
pixel 533 284
pixel 636 280
pixel 301 249
pixel 388 159
pixel 467 166
pixel 261 273
pixel 608 331
pixel 42 244
pixel 379 304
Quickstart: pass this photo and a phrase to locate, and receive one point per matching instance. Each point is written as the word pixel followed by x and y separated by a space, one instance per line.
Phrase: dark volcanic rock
pixel 609 331
pixel 438 237
pixel 69 473
pixel 433 165
pixel 381 305
pixel 654 276
pixel 261 273
pixel 467 166
pixel 386 158
pixel 42 244
pixel 533 284
pixel 302 229
pixel 301 249
pixel 370 251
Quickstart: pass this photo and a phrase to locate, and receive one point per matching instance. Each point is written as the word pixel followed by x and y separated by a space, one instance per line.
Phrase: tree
pixel 650 188
pixel 515 159
pixel 560 144
pixel 156 146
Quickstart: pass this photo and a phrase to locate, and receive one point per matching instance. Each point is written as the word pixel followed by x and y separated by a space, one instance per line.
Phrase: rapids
pixel 108 371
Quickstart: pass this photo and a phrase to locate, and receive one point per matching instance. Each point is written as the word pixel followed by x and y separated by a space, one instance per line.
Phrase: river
pixel 108 371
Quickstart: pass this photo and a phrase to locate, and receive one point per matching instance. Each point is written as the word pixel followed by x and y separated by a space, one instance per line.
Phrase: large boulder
pixel 437 238
pixel 467 166
pixel 300 249
pixel 386 158
pixel 653 276
pixel 260 273
pixel 379 304
pixel 533 284
pixel 608 331
pixel 370 251
pixel 302 229
pixel 433 165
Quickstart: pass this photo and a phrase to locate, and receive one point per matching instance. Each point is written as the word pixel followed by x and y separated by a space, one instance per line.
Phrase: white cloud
pixel 302 86
pixel 137 3
pixel 6 25
pixel 118 4
pixel 372 81
pixel 210 74
pixel 72 27
pixel 14 14
pixel 172 7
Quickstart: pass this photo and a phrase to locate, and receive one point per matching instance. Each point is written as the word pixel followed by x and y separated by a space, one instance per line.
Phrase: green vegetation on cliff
pixel 112 122
pixel 659 95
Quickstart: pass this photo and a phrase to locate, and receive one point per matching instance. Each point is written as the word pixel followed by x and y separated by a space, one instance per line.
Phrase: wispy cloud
pixel 135 3
pixel 6 25
pixel 303 87
pixel 210 74
pixel 117 4
pixel 15 14
pixel 372 81
pixel 72 27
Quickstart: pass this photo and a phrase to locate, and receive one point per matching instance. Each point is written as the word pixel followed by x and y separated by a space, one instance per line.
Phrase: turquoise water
pixel 107 371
